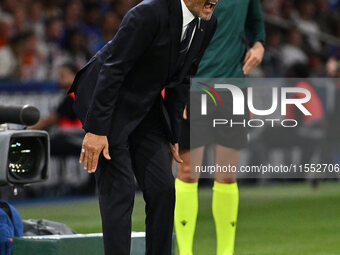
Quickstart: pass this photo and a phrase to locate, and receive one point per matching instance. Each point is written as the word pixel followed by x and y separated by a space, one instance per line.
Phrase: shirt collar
pixel 187 15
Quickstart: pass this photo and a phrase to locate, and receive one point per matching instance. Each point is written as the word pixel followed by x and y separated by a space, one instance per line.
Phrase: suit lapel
pixel 175 25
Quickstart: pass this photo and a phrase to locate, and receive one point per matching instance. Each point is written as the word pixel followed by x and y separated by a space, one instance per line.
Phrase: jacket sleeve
pixel 133 38
pixel 254 27
pixel 177 98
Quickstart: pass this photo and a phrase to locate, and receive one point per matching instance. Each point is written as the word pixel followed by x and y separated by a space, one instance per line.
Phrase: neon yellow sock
pixel 225 209
pixel 186 210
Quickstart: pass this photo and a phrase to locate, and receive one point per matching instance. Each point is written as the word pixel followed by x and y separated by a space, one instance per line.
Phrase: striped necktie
pixel 185 45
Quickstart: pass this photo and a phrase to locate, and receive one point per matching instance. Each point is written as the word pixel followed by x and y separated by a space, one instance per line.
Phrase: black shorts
pixel 231 136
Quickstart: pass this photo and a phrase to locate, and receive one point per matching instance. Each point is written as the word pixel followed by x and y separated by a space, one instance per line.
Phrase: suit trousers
pixel 145 156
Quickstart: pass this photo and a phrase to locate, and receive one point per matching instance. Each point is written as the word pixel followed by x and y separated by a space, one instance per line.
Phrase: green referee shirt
pixel 238 20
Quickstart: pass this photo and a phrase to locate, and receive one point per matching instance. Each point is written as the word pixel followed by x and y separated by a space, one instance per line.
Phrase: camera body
pixel 24 157
pixel 24 154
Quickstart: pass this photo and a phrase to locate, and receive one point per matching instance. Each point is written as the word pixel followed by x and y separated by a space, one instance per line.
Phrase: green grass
pixel 282 220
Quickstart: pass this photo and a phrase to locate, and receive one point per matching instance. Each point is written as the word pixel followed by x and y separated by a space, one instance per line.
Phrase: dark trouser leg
pixel 116 186
pixel 151 163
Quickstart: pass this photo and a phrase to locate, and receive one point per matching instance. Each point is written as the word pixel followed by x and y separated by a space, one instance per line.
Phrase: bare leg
pixel 224 157
pixel 185 173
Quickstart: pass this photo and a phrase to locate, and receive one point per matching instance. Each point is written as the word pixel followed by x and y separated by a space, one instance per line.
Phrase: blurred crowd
pixel 36 36
pixel 302 31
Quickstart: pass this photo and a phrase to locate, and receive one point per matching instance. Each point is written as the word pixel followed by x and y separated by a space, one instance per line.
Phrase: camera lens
pixel 26 158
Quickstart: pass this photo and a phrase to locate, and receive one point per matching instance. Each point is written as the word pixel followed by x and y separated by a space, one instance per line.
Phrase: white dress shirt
pixel 187 18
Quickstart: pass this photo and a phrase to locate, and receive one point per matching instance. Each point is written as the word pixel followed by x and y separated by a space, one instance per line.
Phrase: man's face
pixel 201 8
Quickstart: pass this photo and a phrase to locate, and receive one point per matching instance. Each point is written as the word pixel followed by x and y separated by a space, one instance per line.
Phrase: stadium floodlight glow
pixel 24 154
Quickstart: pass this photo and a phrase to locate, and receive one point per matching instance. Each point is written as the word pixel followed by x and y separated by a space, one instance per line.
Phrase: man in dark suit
pixel 118 99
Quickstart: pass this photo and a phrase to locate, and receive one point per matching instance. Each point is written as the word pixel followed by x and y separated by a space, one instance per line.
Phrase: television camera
pixel 24 154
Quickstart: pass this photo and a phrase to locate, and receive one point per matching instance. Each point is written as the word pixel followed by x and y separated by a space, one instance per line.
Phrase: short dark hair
pixel 21 37
pixel 298 70
pixel 52 20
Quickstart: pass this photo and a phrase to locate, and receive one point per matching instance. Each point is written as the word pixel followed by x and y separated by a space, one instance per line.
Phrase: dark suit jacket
pixel 117 88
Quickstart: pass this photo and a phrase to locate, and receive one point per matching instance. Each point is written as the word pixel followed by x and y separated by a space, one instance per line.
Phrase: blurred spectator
pixel 305 21
pixel 52 9
pixel 21 58
pixel 110 26
pixel 333 67
pixel 272 56
pixel 31 62
pixel 6 23
pixel 52 51
pixel 11 55
pixel 54 31
pixel 272 7
pixel 8 6
pixel 76 50
pixel 91 27
pixel 292 51
pixel 36 18
pixel 288 10
pixel 20 19
pixel 323 14
pixel 73 14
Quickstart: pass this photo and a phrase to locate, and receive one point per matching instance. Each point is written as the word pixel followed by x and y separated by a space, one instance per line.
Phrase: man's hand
pixel 92 146
pixel 174 152
pixel 253 58
pixel 185 115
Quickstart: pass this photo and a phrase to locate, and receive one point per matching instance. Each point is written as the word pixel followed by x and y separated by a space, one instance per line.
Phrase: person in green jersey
pixel 235 50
